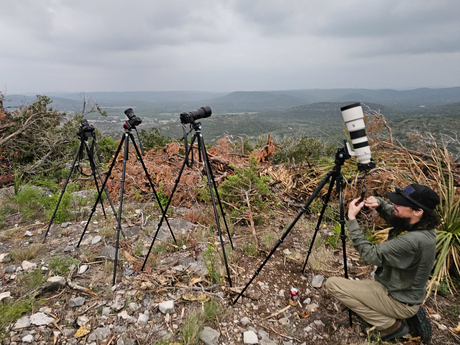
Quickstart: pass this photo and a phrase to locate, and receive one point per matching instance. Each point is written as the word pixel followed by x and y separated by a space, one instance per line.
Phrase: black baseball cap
pixel 416 196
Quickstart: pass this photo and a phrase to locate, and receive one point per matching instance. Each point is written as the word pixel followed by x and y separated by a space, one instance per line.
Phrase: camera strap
pixel 189 163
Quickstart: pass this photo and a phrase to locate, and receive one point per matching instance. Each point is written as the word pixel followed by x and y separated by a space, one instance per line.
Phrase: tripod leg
pixel 94 143
pixel 216 215
pixel 302 211
pixel 102 188
pixel 320 218
pixel 169 201
pixel 79 151
pixel 218 200
pixel 93 172
pixel 151 184
pixel 125 159
pixel 342 232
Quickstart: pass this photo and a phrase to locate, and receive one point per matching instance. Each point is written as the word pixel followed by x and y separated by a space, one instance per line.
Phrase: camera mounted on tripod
pixel 86 130
pixel 192 116
pixel 133 120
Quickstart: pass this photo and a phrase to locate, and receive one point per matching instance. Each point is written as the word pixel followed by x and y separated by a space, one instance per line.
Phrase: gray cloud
pixel 227 45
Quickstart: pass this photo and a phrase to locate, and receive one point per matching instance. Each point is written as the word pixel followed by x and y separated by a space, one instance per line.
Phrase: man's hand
pixel 371 203
pixel 354 207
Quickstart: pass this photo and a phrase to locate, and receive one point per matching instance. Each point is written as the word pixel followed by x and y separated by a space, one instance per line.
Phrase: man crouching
pixel 404 261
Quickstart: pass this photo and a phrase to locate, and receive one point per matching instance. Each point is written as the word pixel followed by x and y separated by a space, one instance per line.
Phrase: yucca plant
pixel 448 233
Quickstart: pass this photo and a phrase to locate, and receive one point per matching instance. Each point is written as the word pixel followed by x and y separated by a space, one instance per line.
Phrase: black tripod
pixel 85 131
pixel 196 126
pixel 128 126
pixel 333 176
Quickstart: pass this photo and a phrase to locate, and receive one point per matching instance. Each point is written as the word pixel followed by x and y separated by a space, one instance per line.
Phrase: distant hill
pixel 251 101
pixel 246 101
pixel 401 99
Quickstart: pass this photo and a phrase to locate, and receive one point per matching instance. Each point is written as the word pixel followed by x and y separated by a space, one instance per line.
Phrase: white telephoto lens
pixel 354 120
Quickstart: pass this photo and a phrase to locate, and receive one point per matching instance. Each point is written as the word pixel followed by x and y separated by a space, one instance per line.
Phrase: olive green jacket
pixel 404 261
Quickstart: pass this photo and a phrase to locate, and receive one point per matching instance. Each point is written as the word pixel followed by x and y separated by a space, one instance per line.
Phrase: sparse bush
pixel 211 264
pixel 28 281
pixel 190 330
pixel 213 310
pixel 61 265
pixel 12 310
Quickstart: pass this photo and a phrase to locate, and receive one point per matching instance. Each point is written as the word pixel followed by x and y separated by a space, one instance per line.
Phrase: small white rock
pixel 5 295
pixel 27 265
pixel 29 338
pixel 82 269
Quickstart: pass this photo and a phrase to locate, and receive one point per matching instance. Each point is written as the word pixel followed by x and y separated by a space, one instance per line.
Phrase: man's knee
pixel 332 283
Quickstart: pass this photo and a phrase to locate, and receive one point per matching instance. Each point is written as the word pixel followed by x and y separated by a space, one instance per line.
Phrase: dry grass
pixel 28 253
pixel 107 231
pixel 319 257
pixel 10 234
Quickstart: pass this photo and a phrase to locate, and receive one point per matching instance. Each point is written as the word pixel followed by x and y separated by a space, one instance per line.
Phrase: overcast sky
pixel 227 45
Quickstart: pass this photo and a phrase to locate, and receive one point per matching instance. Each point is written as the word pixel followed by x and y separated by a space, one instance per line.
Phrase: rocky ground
pixel 77 303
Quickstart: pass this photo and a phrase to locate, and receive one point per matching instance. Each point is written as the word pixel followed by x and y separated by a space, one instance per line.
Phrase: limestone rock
pixel 210 336
pixel 317 281
pixel 23 322
pixel 5 257
pixel 249 337
pixel 76 302
pixel 40 319
pixel 166 307
pixel 57 280
pixel 27 265
pixel 5 295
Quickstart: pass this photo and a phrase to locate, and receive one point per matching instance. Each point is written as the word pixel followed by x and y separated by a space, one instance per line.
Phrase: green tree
pixel 153 139
pixel 34 138
pixel 246 194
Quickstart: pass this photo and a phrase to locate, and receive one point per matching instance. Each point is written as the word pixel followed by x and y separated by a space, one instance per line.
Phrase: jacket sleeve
pixel 385 209
pixel 399 252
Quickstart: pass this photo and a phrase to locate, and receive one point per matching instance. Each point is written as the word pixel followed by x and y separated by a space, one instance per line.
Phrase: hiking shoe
pixel 398 330
pixel 420 326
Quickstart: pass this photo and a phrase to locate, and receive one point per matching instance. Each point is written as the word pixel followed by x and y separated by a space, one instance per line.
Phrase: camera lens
pixel 354 120
pixel 192 116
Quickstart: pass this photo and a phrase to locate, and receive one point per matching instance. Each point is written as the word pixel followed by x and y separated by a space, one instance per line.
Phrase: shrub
pixel 246 193
pixel 153 139
pixel 61 265
pixel 295 151
pixel 448 233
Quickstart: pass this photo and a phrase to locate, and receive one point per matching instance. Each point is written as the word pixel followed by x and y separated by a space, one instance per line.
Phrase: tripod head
pixel 342 154
pixel 86 130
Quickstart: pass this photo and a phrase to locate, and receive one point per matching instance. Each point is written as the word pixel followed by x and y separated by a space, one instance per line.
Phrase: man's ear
pixel 418 213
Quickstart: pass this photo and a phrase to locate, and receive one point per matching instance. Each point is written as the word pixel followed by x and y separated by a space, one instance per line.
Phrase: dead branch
pixel 251 220
pixel 82 289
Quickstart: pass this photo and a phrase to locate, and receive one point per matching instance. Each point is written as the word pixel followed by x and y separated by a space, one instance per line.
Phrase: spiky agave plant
pixel 448 232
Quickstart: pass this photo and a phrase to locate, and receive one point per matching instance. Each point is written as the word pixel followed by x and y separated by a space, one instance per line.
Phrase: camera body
pixel 192 116
pixel 133 120
pixel 86 130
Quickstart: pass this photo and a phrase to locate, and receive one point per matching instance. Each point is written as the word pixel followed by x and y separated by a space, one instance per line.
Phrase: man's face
pixel 403 211
pixel 406 212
